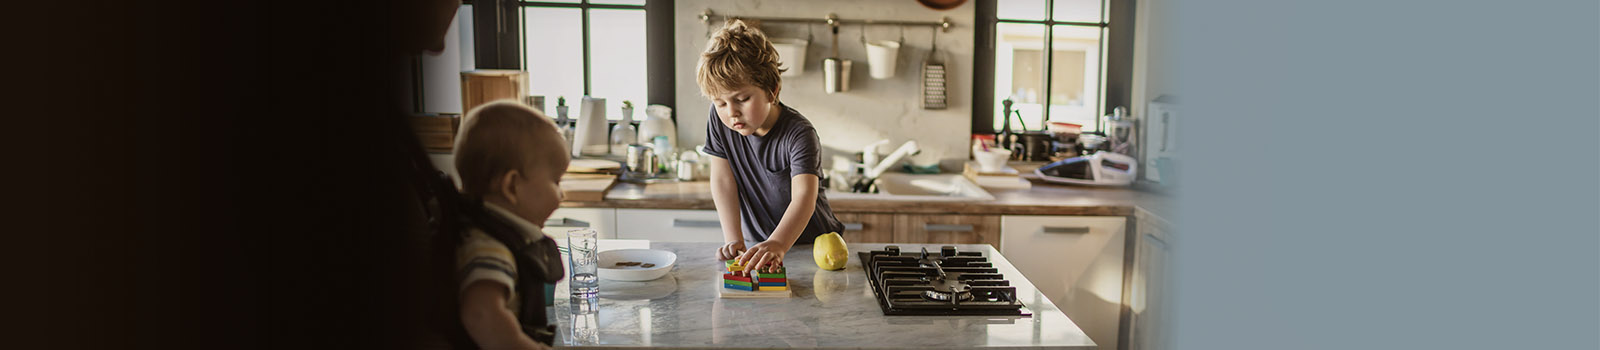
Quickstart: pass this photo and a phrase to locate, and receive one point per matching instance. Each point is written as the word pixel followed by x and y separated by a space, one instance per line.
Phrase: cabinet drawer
pixel 662 225
pixel 957 229
pixel 866 228
pixel 1076 261
pixel 602 220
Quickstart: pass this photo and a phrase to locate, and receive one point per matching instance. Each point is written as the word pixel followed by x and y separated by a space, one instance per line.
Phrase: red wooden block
pixel 731 277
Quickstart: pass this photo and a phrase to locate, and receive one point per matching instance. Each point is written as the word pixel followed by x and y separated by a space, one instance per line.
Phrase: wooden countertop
pixel 1043 199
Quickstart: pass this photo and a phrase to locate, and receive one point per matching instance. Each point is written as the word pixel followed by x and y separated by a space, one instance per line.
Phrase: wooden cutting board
pixel 586 187
pixel 593 166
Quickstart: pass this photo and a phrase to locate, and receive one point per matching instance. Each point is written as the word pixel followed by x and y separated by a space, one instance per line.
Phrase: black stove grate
pixel 909 283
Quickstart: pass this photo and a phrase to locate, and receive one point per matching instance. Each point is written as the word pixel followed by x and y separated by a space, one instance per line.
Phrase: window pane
pixel 617 60
pixel 555 55
pixel 1075 75
pixel 1077 11
pixel 618 2
pixel 1020 9
pixel 1019 74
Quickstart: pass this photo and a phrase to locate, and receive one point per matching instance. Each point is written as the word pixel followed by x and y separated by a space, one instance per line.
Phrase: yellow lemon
pixel 830 252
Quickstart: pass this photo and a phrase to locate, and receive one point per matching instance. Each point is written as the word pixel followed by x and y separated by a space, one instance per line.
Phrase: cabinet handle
pixel 853 226
pixel 565 222
pixel 947 228
pixel 696 223
pixel 1059 229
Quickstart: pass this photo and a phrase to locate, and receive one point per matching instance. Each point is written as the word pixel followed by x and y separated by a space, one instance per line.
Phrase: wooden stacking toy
pixel 736 278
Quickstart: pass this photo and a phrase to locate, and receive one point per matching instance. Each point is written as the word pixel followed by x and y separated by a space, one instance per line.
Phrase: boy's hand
pixel 730 250
pixel 764 253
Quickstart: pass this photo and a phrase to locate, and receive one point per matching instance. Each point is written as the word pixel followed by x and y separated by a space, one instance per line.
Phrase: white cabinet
pixel 1077 262
pixel 1149 303
pixel 602 220
pixel 665 225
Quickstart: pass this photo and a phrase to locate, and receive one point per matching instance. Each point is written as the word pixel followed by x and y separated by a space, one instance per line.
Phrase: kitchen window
pixel 1049 57
pixel 582 47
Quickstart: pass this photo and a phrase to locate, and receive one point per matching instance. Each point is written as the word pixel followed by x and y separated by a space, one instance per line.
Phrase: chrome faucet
pixel 876 167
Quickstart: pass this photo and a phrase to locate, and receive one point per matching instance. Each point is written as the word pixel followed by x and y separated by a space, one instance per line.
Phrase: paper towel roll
pixel 590 137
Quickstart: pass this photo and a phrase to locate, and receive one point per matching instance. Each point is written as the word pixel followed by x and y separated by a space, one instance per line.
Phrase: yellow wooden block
pixel 766 288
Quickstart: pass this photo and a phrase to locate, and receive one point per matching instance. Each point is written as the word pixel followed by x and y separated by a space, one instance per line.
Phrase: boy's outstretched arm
pixel 488 322
pixel 802 202
pixel 725 195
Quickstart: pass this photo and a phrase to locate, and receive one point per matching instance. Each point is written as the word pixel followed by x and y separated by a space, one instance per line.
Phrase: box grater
pixel 933 86
pixel 934 95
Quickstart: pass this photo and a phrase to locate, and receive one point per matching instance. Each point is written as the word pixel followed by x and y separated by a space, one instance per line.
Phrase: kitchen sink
pixel 911 187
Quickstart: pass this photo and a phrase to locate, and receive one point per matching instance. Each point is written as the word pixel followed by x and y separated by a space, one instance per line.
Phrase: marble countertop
pixel 829 310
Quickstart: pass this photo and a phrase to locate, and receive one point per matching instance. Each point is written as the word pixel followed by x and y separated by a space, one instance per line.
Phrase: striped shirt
pixel 482 258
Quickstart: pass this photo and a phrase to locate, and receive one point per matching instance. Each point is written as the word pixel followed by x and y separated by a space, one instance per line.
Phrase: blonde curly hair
pixel 738 55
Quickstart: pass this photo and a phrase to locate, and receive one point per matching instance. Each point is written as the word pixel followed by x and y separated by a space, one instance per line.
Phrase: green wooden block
pixel 738 283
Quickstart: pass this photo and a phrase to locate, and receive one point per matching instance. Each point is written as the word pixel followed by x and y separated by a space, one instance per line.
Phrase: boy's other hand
pixel 730 250
pixel 764 254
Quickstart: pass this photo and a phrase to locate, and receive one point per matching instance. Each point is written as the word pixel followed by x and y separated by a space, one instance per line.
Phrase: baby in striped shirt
pixel 512 158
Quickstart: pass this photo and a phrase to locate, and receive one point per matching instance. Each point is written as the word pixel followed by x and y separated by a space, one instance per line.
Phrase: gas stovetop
pixel 943 283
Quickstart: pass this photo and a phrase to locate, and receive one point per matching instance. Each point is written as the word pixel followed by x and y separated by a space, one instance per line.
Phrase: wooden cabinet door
pixel 957 229
pixel 866 228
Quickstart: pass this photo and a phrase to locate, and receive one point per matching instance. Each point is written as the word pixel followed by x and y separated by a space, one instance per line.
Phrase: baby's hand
pixel 730 250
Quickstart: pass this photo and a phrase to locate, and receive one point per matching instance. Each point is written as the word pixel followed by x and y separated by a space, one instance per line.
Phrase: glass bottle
pixel 624 133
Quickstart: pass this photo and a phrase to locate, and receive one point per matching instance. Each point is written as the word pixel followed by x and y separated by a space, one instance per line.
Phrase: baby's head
pixel 512 156
pixel 738 72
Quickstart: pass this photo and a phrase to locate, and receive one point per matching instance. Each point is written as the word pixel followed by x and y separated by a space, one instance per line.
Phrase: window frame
pixel 659 41
pixel 1113 72
pixel 583 6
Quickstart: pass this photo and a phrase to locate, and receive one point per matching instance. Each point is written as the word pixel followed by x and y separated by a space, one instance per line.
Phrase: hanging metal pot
pixel 835 71
pixel 836 75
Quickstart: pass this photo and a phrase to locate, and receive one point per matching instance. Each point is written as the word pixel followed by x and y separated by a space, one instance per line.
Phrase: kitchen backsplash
pixel 873 109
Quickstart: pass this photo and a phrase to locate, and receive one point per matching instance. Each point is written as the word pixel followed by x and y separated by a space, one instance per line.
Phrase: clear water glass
pixel 585 325
pixel 583 258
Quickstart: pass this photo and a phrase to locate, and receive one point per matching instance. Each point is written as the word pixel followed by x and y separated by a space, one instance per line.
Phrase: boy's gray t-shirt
pixel 763 167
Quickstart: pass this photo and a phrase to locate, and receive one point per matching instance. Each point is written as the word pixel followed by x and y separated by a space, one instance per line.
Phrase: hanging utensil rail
pixel 943 24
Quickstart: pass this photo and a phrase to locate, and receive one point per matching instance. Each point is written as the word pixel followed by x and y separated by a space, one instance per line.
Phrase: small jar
pixel 687 169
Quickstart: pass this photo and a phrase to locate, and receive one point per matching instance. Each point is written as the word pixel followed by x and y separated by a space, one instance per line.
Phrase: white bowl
pixel 662 259
pixel 991 161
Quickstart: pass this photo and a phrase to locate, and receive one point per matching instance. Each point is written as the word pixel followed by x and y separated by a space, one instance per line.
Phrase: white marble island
pixel 829 310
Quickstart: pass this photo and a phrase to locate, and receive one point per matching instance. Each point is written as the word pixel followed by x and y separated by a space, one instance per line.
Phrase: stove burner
pixel 945 296
pixel 946 282
pixel 951 286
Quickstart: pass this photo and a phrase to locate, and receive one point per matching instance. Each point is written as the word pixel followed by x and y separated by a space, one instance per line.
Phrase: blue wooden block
pixel 773 284
pixel 739 287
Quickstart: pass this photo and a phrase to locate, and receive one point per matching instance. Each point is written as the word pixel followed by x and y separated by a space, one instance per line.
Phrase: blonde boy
pixel 512 158
pixel 765 165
